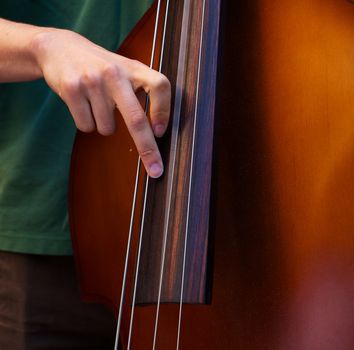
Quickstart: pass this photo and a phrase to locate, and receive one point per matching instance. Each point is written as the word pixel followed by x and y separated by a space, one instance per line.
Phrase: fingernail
pixel 155 170
pixel 159 130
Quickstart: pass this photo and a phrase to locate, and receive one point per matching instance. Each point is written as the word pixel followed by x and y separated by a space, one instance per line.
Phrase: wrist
pixel 39 47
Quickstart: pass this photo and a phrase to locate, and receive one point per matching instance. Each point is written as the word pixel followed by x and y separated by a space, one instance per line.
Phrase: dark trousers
pixel 40 307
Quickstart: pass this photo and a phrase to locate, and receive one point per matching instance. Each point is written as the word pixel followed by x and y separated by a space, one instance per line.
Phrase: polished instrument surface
pixel 282 210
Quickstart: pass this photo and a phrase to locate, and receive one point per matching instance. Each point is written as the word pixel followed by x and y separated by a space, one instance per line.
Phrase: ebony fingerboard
pixel 179 202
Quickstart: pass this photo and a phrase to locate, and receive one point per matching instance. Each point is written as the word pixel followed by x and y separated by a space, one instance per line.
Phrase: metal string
pixel 146 189
pixel 174 141
pixel 134 205
pixel 190 179
pixel 127 257
pixel 176 121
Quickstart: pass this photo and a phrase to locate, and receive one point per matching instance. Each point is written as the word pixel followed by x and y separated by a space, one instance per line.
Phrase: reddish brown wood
pixel 284 195
pixel 186 175
pixel 101 190
pixel 283 190
pixel 197 104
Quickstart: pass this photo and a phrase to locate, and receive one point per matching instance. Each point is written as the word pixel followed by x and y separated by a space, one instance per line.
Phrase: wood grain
pixel 190 181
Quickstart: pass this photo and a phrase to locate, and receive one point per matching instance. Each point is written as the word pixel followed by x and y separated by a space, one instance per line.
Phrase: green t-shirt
pixel 37 131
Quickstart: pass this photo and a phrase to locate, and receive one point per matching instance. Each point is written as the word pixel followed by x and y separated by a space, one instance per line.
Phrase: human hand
pixel 93 82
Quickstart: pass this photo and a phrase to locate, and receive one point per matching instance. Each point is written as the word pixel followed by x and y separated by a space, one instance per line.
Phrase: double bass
pixel 247 240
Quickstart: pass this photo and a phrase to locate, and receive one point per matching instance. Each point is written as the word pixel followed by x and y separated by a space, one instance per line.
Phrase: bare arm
pixel 91 81
pixel 17 57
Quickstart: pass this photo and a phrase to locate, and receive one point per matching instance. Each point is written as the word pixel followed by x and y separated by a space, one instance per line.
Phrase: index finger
pixel 139 128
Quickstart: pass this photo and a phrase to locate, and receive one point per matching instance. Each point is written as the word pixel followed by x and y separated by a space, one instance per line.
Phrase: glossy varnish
pixel 190 175
pixel 283 197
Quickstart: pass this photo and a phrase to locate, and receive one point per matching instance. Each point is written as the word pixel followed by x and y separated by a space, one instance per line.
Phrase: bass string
pixel 133 209
pixel 147 180
pixel 181 73
pixel 120 310
pixel 174 142
pixel 190 179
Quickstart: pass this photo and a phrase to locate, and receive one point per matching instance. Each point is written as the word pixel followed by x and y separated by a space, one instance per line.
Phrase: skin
pixel 91 81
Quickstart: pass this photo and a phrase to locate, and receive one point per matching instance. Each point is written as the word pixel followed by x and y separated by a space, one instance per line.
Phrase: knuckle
pixel 161 83
pixel 70 86
pixel 137 120
pixel 146 152
pixel 135 64
pixel 86 126
pixel 161 115
pixel 110 70
pixel 90 80
pixel 106 129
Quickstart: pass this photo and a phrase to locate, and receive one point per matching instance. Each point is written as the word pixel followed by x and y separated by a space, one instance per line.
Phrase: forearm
pixel 18 61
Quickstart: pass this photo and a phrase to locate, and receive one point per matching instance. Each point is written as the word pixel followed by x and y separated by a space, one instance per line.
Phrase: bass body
pixel 272 267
